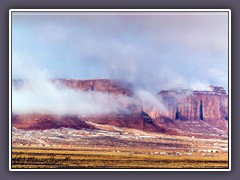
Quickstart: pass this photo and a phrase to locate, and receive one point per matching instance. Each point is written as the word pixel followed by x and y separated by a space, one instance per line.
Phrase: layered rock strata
pixel 209 107
pixel 195 105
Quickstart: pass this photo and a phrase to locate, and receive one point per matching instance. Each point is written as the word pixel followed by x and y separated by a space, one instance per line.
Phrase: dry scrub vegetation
pixel 30 157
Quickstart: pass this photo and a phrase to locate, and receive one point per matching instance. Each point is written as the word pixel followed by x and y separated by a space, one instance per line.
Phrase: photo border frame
pixel 121 10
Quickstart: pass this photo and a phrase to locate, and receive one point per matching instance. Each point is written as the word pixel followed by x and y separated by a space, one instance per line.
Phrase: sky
pixel 153 51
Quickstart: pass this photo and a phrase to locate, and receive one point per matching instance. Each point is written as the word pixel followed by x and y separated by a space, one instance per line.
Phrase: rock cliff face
pixel 48 121
pixel 188 105
pixel 193 111
pixel 195 105
pixel 132 119
pixel 182 106
pixel 100 85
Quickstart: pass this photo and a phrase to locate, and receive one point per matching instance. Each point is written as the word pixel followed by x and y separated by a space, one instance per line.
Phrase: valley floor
pixel 82 158
pixel 114 147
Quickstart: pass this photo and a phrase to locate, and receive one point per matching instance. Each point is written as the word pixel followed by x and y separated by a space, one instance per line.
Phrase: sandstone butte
pixel 207 109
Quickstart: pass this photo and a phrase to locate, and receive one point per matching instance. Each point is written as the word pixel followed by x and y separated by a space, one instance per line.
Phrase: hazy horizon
pixel 152 51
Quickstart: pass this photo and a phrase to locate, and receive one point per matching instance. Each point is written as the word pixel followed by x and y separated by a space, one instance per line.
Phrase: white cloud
pixel 152 52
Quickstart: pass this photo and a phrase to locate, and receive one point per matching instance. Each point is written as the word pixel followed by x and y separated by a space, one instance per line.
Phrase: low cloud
pixel 152 52
pixel 50 98
pixel 150 101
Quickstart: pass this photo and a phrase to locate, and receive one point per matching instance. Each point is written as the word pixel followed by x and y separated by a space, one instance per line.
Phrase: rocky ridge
pixel 184 109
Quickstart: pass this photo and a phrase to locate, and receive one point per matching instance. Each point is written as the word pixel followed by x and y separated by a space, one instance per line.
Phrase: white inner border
pixel 119 10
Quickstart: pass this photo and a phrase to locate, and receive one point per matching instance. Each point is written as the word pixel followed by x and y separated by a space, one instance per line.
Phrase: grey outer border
pixel 12 11
pixel 169 4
